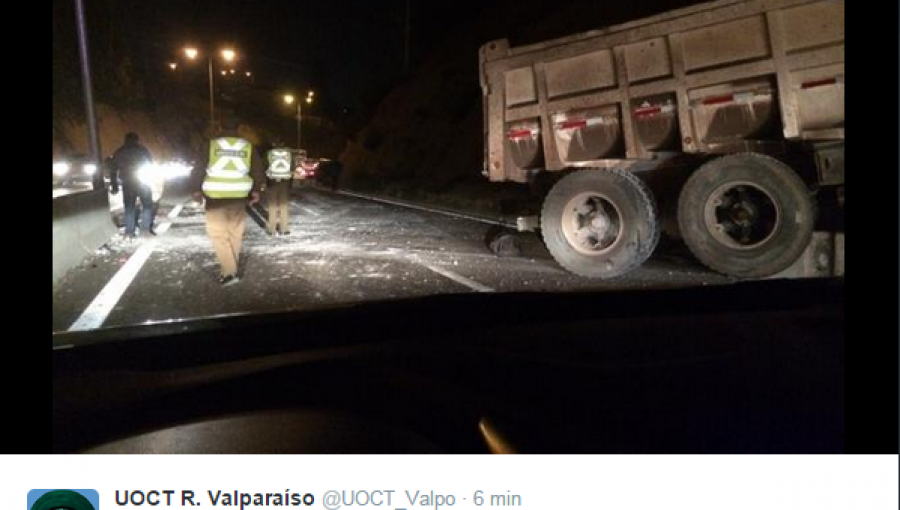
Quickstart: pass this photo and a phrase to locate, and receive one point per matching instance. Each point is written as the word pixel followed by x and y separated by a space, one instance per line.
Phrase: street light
pixel 289 99
pixel 228 55
pixel 173 66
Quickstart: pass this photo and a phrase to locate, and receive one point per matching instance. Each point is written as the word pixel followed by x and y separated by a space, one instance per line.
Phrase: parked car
pixel 306 168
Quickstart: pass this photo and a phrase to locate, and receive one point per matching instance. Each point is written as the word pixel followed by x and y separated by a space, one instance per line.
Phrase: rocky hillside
pixel 425 139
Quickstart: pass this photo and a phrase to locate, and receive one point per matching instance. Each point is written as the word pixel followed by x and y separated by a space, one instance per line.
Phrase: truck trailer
pixel 735 108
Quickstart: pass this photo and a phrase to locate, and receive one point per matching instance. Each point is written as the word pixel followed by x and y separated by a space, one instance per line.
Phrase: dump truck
pixel 727 114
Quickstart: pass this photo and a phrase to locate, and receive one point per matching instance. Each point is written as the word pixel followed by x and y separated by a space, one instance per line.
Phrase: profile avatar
pixel 62 500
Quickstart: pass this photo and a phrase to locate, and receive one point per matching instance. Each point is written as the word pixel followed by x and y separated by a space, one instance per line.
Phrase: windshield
pixel 288 159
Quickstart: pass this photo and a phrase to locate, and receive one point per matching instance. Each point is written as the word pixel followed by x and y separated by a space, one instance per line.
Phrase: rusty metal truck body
pixel 736 89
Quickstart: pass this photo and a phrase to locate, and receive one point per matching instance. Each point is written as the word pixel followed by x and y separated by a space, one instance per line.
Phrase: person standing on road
pixel 334 173
pixel 127 163
pixel 278 188
pixel 228 174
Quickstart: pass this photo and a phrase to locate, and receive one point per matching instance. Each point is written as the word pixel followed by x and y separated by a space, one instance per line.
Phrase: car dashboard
pixel 745 368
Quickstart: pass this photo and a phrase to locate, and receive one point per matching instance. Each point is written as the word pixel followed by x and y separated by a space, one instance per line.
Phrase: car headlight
pixel 61 169
pixel 176 170
pixel 90 168
pixel 146 174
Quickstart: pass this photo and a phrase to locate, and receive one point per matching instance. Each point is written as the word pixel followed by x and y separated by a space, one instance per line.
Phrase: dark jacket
pixel 257 173
pixel 126 162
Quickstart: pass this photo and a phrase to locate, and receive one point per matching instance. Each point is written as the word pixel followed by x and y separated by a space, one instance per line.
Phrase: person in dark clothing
pixel 334 173
pixel 229 174
pixel 126 164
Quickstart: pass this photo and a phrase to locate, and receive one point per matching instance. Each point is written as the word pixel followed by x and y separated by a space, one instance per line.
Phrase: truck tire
pixel 600 223
pixel 746 215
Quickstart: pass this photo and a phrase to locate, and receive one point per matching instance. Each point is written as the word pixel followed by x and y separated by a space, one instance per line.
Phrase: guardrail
pixel 81 223
pixel 503 222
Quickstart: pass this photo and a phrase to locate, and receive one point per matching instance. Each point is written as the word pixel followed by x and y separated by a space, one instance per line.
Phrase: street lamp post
pixel 289 100
pixel 212 101
pixel 299 123
pixel 309 100
pixel 87 87
pixel 228 55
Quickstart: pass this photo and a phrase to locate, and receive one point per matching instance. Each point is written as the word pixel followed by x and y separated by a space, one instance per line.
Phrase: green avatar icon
pixel 62 500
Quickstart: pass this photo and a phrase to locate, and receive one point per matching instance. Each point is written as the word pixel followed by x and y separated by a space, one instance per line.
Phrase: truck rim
pixel 592 224
pixel 742 215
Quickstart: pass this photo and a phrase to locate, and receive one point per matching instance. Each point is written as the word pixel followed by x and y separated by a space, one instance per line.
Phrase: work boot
pixel 227 281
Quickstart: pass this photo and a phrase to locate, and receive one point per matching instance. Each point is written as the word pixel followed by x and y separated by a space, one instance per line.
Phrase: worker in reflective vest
pixel 228 175
pixel 278 186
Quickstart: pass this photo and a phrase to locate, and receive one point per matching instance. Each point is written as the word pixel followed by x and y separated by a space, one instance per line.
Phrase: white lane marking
pixel 472 284
pixel 162 229
pixel 98 311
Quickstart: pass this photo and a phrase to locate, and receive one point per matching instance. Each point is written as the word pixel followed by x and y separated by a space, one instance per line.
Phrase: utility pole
pixel 90 113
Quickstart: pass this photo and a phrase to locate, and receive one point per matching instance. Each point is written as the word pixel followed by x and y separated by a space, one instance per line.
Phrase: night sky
pixel 351 47
pixel 350 51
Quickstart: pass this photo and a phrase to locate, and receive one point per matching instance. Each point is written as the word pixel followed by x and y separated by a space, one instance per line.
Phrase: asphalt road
pixel 59 191
pixel 341 250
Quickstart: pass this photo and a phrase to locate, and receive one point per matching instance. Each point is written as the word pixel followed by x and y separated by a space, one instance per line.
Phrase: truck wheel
pixel 746 215
pixel 600 223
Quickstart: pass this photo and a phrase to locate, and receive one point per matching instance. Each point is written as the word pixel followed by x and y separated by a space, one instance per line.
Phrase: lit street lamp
pixel 229 55
pixel 290 100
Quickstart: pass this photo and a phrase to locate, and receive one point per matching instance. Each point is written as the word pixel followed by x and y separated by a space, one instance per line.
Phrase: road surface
pixel 341 250
pixel 59 191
